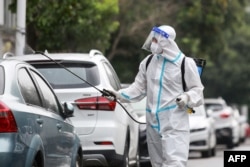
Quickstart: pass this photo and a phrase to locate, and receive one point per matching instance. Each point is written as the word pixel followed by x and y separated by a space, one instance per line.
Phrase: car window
pixel 113 79
pixel 60 78
pixel 49 97
pixel 214 107
pixel 1 80
pixel 28 89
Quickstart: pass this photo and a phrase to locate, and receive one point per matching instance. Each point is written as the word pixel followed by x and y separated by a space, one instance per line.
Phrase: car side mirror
pixel 68 109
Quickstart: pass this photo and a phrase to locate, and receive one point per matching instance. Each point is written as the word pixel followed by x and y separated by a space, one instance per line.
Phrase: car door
pixel 48 122
pixel 44 129
pixel 63 137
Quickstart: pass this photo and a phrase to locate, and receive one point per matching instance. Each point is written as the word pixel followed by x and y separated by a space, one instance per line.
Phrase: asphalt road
pixel 195 159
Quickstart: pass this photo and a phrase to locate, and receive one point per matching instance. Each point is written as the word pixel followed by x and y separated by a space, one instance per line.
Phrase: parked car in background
pixel 242 121
pixel 107 133
pixel 227 127
pixel 202 132
pixel 35 129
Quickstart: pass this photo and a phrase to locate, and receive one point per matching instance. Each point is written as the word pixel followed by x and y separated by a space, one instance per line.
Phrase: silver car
pixel 34 126
pixel 108 135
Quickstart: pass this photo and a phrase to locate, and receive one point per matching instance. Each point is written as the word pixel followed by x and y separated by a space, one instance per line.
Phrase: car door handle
pixel 39 121
pixel 59 126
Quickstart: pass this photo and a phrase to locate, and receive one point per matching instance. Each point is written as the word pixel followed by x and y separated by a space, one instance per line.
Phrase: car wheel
pixel 137 164
pixel 79 161
pixel 125 160
pixel 206 154
pixel 213 152
pixel 230 143
pixel 126 156
pixel 35 163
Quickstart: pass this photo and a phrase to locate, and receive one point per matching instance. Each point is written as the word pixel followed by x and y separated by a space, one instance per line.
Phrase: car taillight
pixel 7 120
pixel 224 115
pixel 95 103
pixel 104 143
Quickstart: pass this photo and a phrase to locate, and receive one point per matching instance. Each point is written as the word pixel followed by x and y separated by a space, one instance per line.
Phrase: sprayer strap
pixel 148 61
pixel 183 73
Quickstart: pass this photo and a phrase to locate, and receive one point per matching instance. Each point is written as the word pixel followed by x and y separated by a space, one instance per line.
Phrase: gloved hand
pixel 112 95
pixel 182 100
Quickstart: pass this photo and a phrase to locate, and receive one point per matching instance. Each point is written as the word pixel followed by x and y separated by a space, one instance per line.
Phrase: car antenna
pixel 104 91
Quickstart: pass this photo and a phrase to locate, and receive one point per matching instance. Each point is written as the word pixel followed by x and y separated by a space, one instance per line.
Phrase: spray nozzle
pixel 108 94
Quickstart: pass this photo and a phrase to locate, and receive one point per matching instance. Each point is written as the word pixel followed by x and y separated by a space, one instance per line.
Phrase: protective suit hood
pixel 164 36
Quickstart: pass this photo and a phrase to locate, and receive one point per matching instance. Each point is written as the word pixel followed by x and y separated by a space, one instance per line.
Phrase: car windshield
pixel 1 80
pixel 60 78
pixel 214 107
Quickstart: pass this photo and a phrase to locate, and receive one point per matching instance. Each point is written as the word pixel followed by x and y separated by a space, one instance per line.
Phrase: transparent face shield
pixel 155 36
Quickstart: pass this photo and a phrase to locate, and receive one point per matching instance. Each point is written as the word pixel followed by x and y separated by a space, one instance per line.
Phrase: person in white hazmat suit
pixel 166 117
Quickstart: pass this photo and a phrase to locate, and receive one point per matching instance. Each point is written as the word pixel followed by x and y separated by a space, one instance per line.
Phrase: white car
pixel 108 135
pixel 202 133
pixel 242 121
pixel 227 127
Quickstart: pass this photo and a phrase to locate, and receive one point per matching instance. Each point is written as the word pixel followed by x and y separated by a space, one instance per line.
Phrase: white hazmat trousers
pixel 167 124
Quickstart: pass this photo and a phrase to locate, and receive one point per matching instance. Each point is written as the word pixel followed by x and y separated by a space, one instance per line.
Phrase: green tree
pixel 216 30
pixel 70 25
pixel 136 21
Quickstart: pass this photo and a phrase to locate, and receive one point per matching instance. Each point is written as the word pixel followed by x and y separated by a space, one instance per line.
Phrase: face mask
pixel 155 48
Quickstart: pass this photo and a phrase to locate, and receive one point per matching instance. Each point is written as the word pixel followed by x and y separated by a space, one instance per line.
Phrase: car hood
pixel 197 122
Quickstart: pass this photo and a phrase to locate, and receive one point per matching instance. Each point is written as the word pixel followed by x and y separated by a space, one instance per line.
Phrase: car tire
pixel 206 154
pixel 125 160
pixel 213 151
pixel 79 160
pixel 138 163
pixel 38 161
pixel 35 163
pixel 229 143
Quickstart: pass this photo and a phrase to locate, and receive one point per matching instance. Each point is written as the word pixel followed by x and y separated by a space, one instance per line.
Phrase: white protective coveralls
pixel 167 123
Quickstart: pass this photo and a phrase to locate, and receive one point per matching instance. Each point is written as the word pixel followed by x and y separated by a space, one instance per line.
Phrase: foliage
pixel 136 21
pixel 217 30
pixel 70 25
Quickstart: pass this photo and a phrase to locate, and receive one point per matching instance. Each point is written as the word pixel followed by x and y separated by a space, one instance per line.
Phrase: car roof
pixel 218 100
pixel 93 55
pixel 9 66
pixel 11 62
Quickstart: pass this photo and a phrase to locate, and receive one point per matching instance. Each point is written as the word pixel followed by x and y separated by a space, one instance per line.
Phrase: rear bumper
pixel 223 135
pixel 101 157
